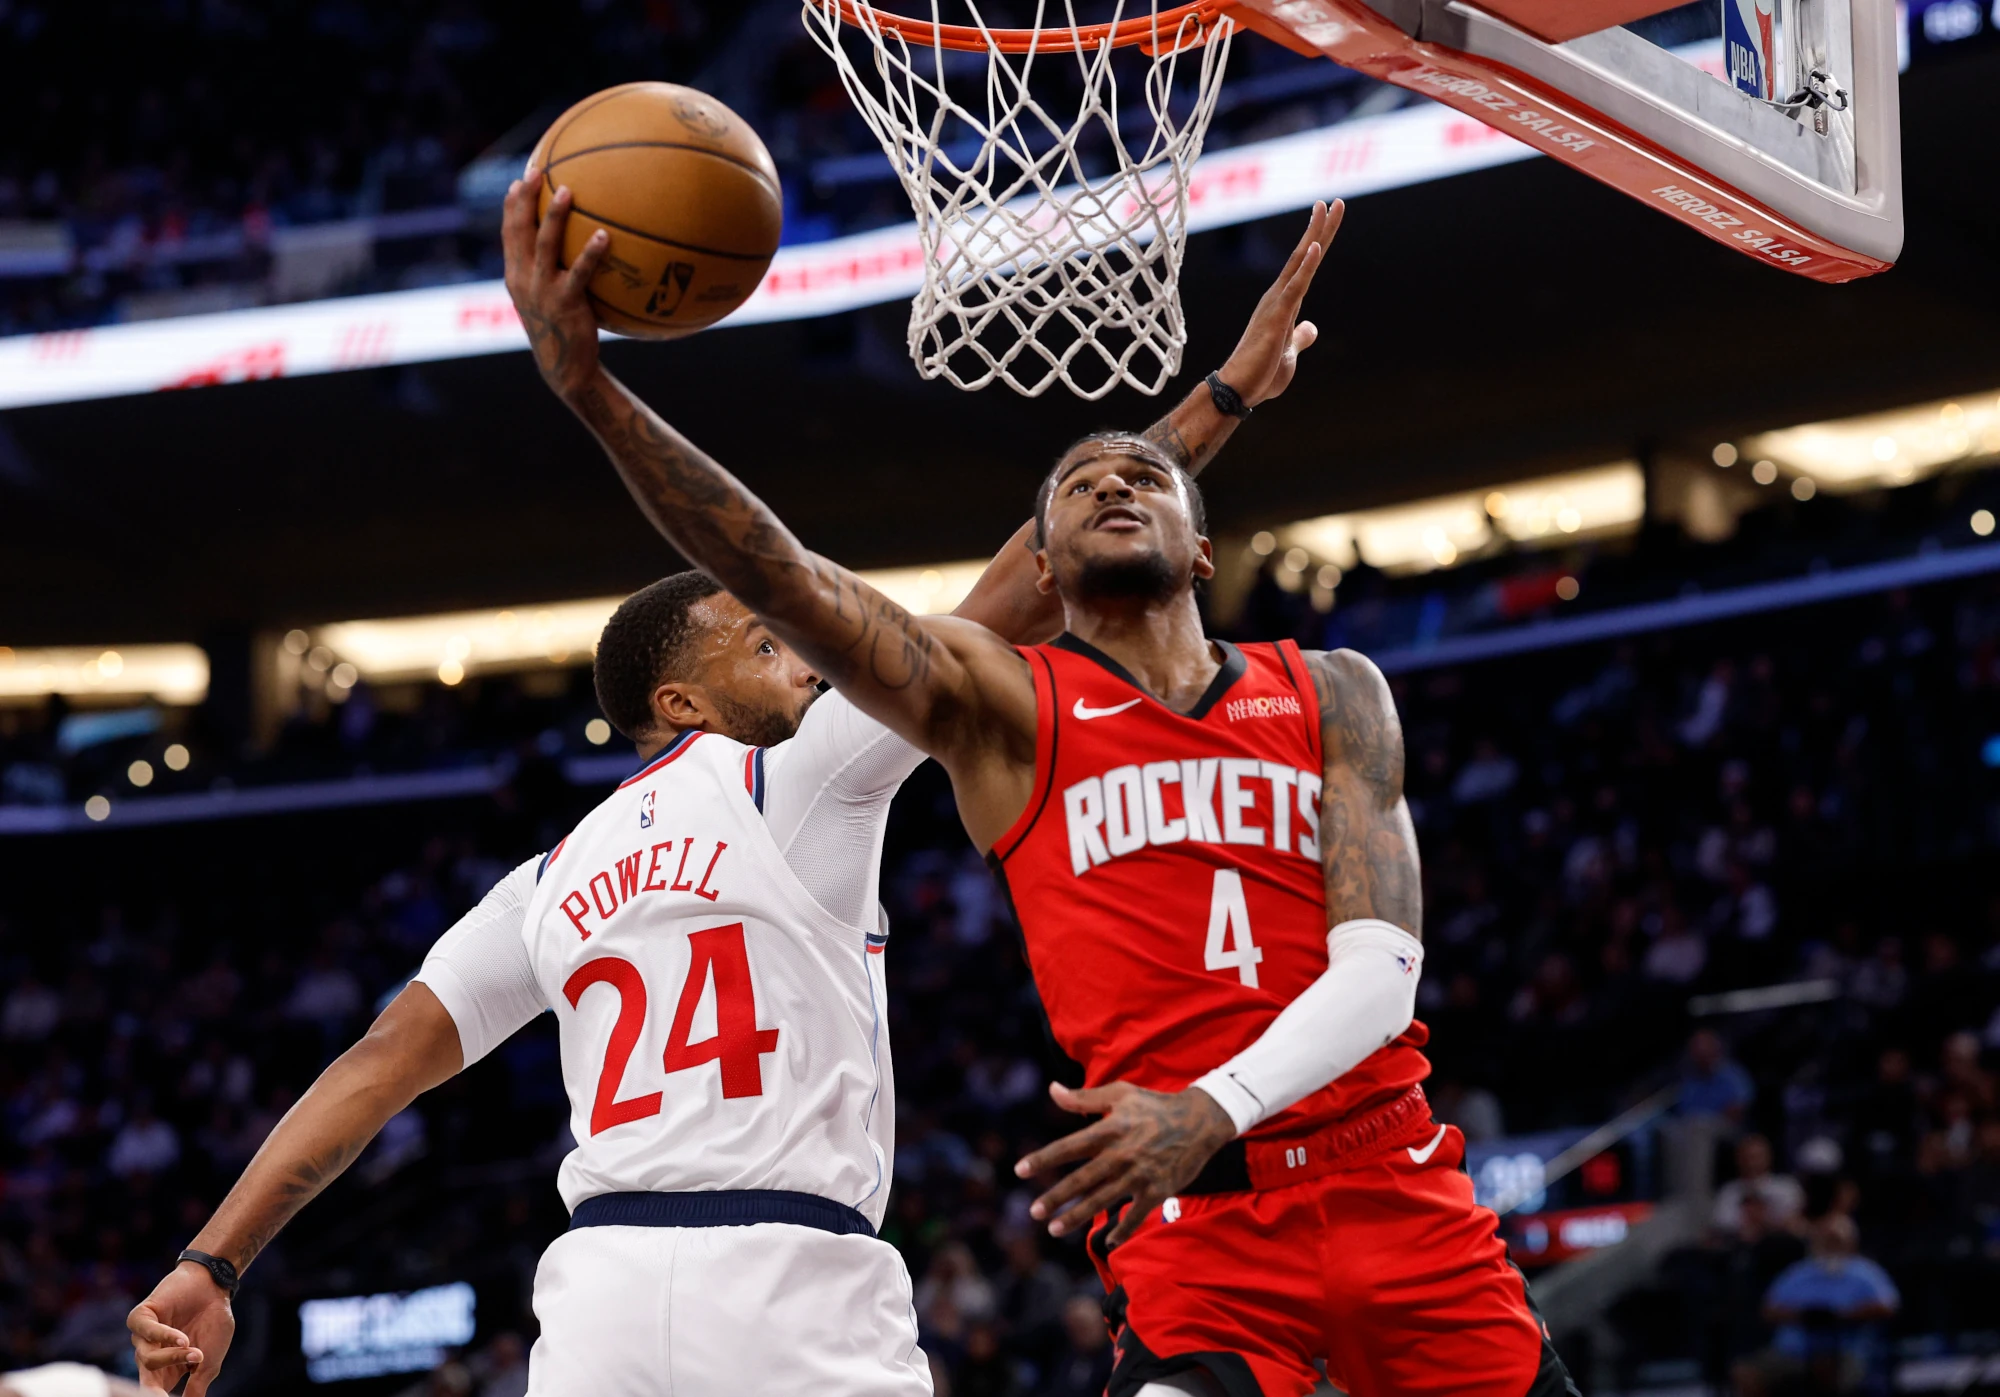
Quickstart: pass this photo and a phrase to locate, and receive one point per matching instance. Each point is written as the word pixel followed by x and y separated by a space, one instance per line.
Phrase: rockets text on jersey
pixel 719 1030
pixel 1167 873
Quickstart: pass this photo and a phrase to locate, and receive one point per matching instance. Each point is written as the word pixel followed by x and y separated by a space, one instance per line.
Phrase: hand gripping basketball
pixel 553 301
pixel 1261 366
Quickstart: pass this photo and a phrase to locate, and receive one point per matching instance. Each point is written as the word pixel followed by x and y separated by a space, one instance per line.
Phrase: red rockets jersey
pixel 1167 875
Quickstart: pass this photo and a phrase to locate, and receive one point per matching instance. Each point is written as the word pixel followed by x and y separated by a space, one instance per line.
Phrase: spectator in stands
pixel 1490 773
pixel 145 1144
pixel 1678 953
pixel 985 1371
pixel 502 1370
pixel 1961 1076
pixel 1725 1282
pixel 1031 1291
pixel 1828 1311
pixel 93 1327
pixel 954 1281
pixel 31 1011
pixel 1779 1198
pixel 1980 1203
pixel 1713 1085
pixel 1881 981
pixel 1086 1366
pixel 1473 1109
pixel 1886 1116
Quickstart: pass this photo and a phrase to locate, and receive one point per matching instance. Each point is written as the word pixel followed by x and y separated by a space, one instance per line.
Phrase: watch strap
pixel 1227 400
pixel 224 1272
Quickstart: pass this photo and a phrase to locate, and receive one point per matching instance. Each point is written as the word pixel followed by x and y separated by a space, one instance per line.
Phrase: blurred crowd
pixel 1609 831
pixel 172 147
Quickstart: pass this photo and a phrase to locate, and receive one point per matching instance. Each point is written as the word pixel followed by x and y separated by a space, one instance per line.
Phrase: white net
pixel 1052 248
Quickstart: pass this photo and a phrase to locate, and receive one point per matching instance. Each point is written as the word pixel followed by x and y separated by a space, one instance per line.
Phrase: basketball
pixel 687 192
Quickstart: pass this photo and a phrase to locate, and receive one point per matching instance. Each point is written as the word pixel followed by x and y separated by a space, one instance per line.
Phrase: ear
pixel 1204 557
pixel 679 706
pixel 1045 580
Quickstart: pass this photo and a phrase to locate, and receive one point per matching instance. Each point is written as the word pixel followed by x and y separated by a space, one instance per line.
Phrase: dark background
pixel 1523 318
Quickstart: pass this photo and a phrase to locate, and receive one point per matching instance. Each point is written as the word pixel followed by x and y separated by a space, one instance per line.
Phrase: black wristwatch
pixel 222 1271
pixel 1227 400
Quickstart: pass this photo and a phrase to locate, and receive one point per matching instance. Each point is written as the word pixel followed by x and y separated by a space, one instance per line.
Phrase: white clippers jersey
pixel 719 1029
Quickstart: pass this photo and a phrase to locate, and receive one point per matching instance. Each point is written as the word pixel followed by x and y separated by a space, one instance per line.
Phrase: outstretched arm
pixel 947 686
pixel 184 1327
pixel 1265 358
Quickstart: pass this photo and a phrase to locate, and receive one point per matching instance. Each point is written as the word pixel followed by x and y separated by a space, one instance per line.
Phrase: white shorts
pixel 772 1308
pixel 58 1380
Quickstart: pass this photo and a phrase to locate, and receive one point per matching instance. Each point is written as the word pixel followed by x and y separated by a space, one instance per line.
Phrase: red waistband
pixel 1258 1163
pixel 1342 1145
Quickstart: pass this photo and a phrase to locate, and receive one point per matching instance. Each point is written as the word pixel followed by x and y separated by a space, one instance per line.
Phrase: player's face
pixel 752 687
pixel 1119 525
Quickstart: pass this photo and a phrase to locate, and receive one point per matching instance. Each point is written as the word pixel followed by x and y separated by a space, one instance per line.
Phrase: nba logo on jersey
pixel 646 810
pixel 1750 45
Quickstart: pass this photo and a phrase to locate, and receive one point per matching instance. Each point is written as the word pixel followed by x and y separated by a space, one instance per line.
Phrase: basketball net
pixel 1036 270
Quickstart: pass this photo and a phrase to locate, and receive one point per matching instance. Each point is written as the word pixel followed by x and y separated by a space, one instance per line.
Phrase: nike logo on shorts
pixel 1423 1156
pixel 1084 711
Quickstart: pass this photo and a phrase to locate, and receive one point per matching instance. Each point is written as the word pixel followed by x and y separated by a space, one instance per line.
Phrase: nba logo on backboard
pixel 1750 45
pixel 646 810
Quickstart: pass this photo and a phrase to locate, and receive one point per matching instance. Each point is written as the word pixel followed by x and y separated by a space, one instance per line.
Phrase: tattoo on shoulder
pixel 1358 720
pixel 1368 845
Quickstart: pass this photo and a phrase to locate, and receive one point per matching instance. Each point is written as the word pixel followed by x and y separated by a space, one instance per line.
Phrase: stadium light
pixel 452 646
pixel 1891 448
pixel 176 674
pixel 1447 530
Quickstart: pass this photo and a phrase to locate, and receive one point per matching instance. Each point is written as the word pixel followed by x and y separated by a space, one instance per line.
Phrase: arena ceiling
pixel 1488 326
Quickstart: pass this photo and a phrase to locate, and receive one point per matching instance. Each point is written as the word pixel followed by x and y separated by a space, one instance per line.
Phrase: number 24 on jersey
pixel 737 1044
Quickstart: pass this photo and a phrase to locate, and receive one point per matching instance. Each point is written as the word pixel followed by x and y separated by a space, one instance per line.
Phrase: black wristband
pixel 1227 400
pixel 223 1272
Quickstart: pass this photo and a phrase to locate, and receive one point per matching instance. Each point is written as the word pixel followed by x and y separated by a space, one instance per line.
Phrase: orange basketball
pixel 687 192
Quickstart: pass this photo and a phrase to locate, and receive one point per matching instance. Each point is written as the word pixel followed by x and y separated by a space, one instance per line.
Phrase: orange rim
pixel 972 39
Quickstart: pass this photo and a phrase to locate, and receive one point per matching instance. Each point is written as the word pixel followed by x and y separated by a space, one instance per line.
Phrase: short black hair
pixel 647 641
pixel 1197 507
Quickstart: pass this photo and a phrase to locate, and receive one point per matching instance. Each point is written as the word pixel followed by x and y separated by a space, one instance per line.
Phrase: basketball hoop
pixel 1052 250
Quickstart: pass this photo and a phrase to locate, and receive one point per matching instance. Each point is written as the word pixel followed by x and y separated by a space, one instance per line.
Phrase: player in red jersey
pixel 1217 878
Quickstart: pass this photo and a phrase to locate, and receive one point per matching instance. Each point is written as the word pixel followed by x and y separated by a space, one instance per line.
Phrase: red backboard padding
pixel 1557 20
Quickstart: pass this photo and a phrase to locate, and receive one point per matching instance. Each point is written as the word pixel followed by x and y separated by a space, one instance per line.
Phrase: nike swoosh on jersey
pixel 1086 712
pixel 1423 1156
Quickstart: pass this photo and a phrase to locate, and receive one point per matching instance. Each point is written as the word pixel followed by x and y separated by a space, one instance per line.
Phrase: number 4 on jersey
pixel 1229 943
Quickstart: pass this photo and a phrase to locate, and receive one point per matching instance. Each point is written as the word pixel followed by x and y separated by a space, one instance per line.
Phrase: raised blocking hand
pixel 1262 364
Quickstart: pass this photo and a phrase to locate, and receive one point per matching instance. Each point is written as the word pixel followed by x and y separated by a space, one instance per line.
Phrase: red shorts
pixel 1386 1272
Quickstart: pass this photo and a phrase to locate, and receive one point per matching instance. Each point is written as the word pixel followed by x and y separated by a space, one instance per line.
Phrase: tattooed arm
pixel 1367 842
pixel 1265 358
pixel 186 1324
pixel 950 687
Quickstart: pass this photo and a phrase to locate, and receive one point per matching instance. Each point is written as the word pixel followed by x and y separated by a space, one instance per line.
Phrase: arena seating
pixel 1607 833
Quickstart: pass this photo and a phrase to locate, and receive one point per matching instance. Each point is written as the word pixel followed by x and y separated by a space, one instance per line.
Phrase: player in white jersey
pixel 710 941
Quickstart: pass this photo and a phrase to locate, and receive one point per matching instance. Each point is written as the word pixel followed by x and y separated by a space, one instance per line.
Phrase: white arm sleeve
pixel 826 798
pixel 1366 998
pixel 480 970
